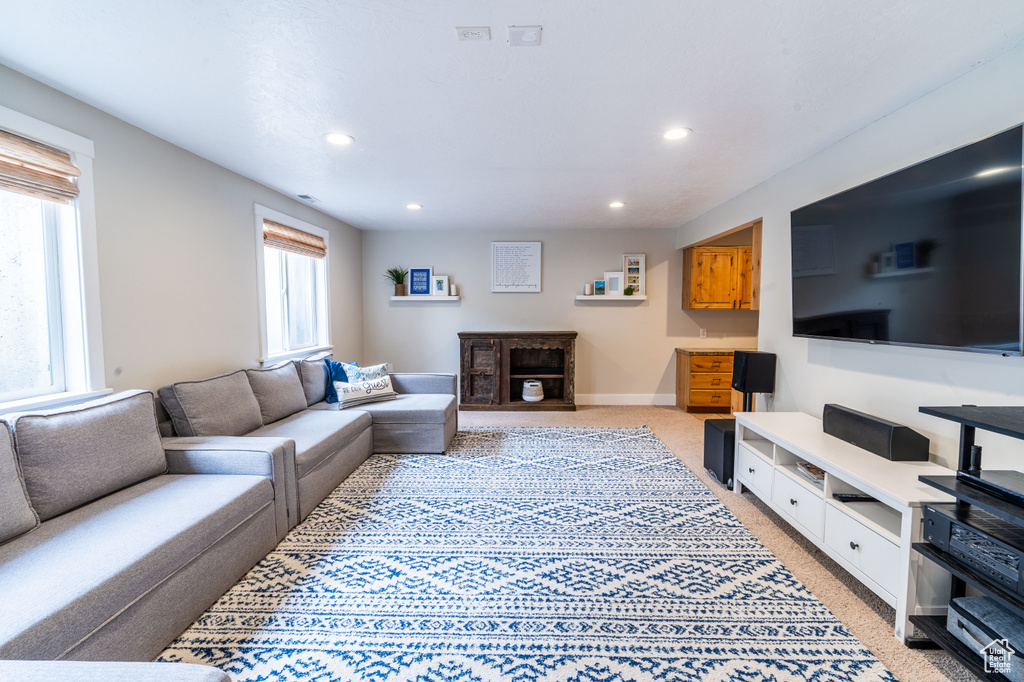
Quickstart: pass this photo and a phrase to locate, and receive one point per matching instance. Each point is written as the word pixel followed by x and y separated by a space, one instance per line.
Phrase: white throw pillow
pixel 362 392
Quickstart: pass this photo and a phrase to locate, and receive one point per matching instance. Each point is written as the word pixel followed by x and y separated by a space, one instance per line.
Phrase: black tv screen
pixel 927 256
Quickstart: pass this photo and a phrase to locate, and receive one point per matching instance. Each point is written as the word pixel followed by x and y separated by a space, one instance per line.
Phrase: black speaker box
pixel 720 448
pixel 753 372
pixel 880 436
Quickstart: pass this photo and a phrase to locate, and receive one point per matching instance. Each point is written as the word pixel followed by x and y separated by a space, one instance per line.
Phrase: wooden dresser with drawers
pixel 704 380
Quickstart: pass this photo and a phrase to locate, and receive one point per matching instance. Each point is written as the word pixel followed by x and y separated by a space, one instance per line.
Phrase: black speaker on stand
pixel 753 372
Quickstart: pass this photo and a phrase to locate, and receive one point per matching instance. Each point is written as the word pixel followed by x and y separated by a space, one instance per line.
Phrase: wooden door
pixel 713 278
pixel 480 361
pixel 744 274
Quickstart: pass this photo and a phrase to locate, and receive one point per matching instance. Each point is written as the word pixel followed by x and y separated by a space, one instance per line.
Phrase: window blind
pixel 286 238
pixel 35 169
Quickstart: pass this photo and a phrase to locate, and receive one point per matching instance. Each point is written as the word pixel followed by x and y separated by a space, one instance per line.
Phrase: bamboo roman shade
pixel 286 238
pixel 31 168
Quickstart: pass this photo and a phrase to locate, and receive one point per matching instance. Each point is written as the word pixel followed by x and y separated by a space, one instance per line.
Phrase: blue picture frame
pixel 904 256
pixel 420 281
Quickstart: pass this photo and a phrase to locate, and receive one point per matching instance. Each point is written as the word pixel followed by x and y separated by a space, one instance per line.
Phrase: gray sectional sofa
pixel 112 544
pixel 325 444
pixel 117 532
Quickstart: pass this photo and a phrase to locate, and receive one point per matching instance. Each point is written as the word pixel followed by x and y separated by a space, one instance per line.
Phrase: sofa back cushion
pixel 219 406
pixel 278 391
pixel 313 373
pixel 16 514
pixel 74 455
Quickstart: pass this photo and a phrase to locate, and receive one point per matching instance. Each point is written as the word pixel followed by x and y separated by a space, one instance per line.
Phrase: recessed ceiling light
pixel 340 139
pixel 676 133
pixel 414 207
pixel 617 204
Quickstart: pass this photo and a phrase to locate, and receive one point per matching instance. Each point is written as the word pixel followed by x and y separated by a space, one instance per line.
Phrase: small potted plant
pixel 397 277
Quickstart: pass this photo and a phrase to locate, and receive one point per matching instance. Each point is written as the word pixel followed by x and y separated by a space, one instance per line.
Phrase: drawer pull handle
pixel 716 363
pixel 750 470
pixel 792 501
pixel 716 382
pixel 853 545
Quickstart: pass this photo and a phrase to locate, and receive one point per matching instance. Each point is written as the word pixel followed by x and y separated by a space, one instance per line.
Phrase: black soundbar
pixel 874 434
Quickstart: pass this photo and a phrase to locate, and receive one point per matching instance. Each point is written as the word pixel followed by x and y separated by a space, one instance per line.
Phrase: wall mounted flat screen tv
pixel 926 256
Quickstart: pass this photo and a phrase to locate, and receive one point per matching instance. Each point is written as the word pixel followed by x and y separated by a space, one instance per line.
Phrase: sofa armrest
pixel 424 383
pixel 270 457
pixel 93 671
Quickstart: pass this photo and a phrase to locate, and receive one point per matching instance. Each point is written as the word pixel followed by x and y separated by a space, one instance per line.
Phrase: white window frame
pixel 80 280
pixel 263 213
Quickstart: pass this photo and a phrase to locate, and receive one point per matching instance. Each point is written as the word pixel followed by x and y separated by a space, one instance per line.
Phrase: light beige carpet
pixel 867 617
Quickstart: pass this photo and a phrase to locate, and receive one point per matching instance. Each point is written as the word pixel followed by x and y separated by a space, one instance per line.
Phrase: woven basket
pixel 533 392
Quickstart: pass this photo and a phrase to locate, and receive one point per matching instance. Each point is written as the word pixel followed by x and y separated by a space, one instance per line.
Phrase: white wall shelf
pixel 612 299
pixel 426 299
pixel 901 273
pixel 872 540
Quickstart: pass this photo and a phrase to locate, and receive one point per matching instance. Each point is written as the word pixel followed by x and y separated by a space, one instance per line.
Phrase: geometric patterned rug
pixel 524 554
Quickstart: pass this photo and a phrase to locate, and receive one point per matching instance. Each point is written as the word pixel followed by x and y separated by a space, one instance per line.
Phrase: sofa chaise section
pixel 126 547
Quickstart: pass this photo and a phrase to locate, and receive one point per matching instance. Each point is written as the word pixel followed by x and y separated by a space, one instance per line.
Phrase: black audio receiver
pixel 990 545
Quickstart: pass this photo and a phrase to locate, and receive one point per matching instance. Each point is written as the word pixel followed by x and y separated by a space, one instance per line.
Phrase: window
pixel 50 341
pixel 292 263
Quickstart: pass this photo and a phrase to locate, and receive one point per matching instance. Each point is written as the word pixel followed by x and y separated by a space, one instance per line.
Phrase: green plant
pixel 628 291
pixel 396 275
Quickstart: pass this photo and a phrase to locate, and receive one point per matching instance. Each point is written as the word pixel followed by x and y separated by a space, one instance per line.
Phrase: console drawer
pixel 863 548
pixel 707 380
pixel 711 398
pixel 711 363
pixel 754 471
pixel 798 503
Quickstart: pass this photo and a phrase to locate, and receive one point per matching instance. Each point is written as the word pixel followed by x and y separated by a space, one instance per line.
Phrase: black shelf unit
pixel 1006 421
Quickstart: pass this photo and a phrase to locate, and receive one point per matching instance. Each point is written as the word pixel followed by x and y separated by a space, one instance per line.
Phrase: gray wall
pixel 625 352
pixel 177 249
pixel 891 382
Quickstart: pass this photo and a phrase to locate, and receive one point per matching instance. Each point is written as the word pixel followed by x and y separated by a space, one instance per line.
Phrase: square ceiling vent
pixel 524 36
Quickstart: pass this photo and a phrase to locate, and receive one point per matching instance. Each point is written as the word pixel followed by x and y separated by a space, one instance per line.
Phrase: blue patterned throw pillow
pixel 357 374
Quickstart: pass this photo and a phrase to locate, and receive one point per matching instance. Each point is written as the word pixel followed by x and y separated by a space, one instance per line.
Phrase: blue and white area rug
pixel 525 554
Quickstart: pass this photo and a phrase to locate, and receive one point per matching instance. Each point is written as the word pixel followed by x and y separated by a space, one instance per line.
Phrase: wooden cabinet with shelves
pixel 724 276
pixel 494 366
pixel 717 277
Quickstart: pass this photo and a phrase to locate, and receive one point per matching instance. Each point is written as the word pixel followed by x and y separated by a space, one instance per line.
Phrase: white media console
pixel 871 540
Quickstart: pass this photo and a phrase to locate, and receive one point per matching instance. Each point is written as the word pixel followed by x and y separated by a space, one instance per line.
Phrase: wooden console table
pixel 494 365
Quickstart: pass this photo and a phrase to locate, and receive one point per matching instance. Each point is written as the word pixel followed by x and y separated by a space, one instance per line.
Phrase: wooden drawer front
pixel 720 381
pixel 754 471
pixel 722 398
pixel 803 506
pixel 711 363
pixel 875 556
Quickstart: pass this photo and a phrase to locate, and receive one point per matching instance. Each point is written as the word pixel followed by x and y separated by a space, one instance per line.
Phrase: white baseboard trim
pixel 625 398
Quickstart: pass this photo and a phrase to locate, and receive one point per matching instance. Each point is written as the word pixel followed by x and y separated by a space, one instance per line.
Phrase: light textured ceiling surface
pixel 485 135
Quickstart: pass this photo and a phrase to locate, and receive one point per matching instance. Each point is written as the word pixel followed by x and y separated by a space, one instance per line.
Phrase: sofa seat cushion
pixel 413 408
pixel 66 578
pixel 71 456
pixel 16 515
pixel 318 434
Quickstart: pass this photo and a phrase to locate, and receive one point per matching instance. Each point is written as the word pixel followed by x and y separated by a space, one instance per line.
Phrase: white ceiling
pixel 485 135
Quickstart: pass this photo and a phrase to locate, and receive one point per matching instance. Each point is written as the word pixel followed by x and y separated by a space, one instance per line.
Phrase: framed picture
pixel 515 267
pixel 419 281
pixel 439 285
pixel 887 262
pixel 634 265
pixel 613 283
pixel 904 256
pixel 599 287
